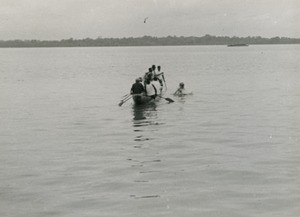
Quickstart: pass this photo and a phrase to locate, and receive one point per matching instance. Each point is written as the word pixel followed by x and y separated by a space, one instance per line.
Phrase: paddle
pixel 163 76
pixel 125 100
pixel 126 95
pixel 168 99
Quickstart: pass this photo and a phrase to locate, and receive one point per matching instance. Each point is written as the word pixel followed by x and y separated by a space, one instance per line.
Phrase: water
pixel 230 149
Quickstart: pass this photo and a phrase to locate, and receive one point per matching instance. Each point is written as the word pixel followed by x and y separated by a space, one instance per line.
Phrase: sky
pixel 78 19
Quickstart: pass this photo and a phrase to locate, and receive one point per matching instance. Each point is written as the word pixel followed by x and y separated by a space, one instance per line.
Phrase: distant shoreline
pixel 149 41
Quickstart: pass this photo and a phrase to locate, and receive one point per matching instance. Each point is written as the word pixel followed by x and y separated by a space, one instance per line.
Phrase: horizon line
pixel 134 37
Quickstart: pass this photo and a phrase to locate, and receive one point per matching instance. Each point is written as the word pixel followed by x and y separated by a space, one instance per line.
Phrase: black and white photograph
pixel 149 108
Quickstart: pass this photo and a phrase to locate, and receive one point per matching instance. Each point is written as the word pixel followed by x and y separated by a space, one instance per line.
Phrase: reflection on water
pixel 146 159
pixel 182 98
pixel 144 115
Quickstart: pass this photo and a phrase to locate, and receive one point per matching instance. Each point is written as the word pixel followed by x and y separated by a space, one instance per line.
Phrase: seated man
pixel 150 89
pixel 137 87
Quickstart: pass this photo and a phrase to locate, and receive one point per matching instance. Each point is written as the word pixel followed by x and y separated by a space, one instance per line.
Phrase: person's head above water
pixel 181 84
pixel 158 68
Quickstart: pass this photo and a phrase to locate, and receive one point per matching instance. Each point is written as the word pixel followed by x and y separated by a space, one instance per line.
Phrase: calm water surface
pixel 231 149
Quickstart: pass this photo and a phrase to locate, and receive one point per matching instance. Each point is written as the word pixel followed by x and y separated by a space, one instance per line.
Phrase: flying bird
pixel 145 19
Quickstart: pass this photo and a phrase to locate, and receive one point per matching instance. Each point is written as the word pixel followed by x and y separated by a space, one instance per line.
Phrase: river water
pixel 231 149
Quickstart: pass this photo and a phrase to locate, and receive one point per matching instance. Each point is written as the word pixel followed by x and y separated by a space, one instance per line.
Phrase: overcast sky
pixel 62 19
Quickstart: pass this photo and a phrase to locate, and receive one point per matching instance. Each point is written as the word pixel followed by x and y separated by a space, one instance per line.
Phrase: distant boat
pixel 237 45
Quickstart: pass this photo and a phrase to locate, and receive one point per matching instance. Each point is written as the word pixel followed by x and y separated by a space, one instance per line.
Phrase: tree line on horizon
pixel 149 41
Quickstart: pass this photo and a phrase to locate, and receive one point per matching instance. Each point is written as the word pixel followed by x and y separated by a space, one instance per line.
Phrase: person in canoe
pixel 159 75
pixel 158 86
pixel 150 89
pixel 137 87
pixel 153 71
pixel 148 75
pixel 159 72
